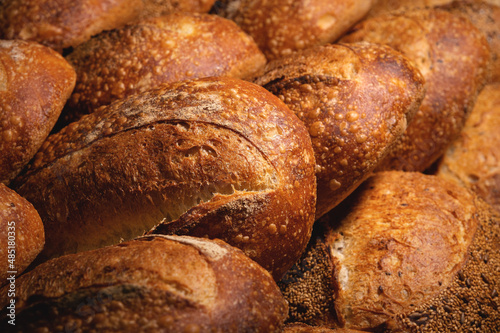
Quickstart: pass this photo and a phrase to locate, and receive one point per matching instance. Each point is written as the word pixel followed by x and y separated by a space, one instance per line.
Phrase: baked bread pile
pixel 249 166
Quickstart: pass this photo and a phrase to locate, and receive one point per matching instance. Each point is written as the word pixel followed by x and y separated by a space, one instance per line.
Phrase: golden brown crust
pixel 281 27
pixel 393 247
pixel 215 157
pixel 35 82
pixel 167 49
pixel 485 17
pixel 174 284
pixel 303 328
pixel 21 233
pixel 355 100
pixel 453 57
pixel 65 23
pixel 473 159
pixel 155 8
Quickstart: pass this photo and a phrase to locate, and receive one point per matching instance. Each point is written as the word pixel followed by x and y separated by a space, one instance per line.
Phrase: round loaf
pixel 216 157
pixel 453 56
pixel 35 82
pixel 406 252
pixel 21 234
pixel 281 27
pixel 153 284
pixel 167 49
pixel 473 160
pixel 155 8
pixel 64 23
pixel 356 101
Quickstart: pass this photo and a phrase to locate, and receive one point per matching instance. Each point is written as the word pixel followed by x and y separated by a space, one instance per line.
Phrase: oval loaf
pixel 166 49
pixel 356 101
pixel 453 56
pixel 35 83
pixel 407 252
pixel 153 284
pixel 215 157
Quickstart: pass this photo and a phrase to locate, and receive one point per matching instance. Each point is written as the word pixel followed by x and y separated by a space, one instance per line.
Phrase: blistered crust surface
pixel 356 101
pixel 453 57
pixel 35 82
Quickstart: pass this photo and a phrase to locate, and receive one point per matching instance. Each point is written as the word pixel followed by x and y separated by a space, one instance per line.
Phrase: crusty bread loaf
pixel 281 27
pixel 486 17
pixel 215 157
pixel 171 48
pixel 355 99
pixel 406 252
pixel 473 160
pixel 64 23
pixel 21 234
pixel 453 57
pixel 155 8
pixel 35 82
pixel 153 284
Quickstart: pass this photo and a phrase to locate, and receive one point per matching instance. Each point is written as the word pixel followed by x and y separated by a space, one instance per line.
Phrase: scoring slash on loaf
pixel 157 283
pixel 406 252
pixel 216 157
pixel 281 27
pixel 166 49
pixel 355 99
pixel 63 23
pixel 453 56
pixel 21 233
pixel 35 82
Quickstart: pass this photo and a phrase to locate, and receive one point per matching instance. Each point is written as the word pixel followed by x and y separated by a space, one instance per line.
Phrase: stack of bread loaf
pixel 249 166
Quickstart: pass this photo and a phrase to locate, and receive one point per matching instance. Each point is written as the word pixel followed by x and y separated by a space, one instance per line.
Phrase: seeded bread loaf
pixel 166 49
pixel 453 56
pixel 355 99
pixel 64 23
pixel 21 234
pixel 406 252
pixel 216 157
pixel 153 284
pixel 281 27
pixel 35 82
pixel 473 160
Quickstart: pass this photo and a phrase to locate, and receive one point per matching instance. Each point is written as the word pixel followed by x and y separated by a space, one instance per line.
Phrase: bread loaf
pixel 35 82
pixel 216 157
pixel 64 23
pixel 473 160
pixel 153 284
pixel 171 48
pixel 281 27
pixel 406 252
pixel 453 57
pixel 355 99
pixel 21 234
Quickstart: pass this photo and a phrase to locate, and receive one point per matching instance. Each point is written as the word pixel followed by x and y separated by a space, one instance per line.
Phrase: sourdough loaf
pixel 170 48
pixel 35 83
pixel 153 284
pixel 216 157
pixel 473 160
pixel 453 57
pixel 356 101
pixel 21 234
pixel 281 27
pixel 406 252
pixel 64 23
